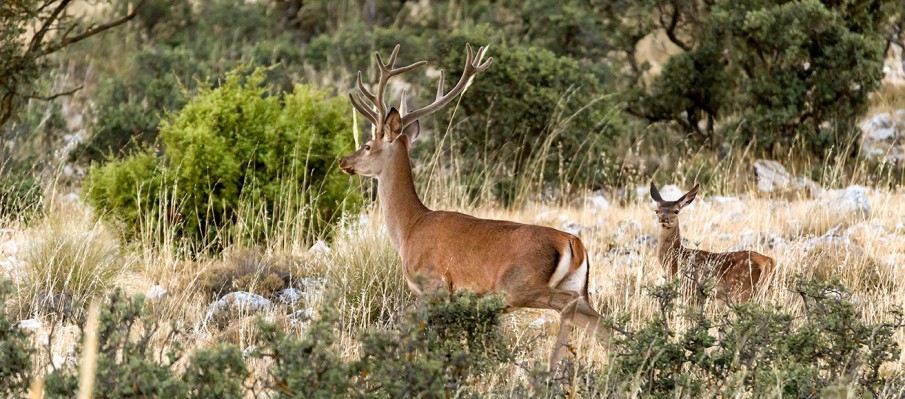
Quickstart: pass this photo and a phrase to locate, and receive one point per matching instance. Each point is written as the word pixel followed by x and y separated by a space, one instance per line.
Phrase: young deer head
pixel 395 130
pixel 668 211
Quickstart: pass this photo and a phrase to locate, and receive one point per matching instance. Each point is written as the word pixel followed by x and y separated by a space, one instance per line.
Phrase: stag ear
pixel 654 193
pixel 686 199
pixel 412 131
pixel 392 126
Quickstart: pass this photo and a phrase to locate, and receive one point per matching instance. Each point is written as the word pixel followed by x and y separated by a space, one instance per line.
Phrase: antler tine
pixel 440 85
pixel 359 104
pixel 472 67
pixel 364 90
pixel 403 106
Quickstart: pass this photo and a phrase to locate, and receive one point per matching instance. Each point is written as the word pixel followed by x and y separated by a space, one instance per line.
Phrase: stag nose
pixel 344 165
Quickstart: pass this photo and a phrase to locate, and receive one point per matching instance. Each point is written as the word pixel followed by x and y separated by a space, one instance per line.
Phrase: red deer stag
pixel 738 274
pixel 535 266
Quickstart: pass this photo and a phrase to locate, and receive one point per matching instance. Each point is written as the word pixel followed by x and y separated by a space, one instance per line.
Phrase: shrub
pixel 246 270
pixel 434 352
pixel 756 350
pixel 771 74
pixel 237 153
pixel 16 350
pixel 543 115
pixel 127 366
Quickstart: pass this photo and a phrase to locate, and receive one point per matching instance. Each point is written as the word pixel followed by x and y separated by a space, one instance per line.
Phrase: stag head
pixel 394 130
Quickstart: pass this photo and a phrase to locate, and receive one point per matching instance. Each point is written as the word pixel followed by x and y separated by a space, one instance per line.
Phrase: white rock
pixel 850 202
pixel 772 177
pixel 719 199
pixel 70 198
pixel 289 296
pixel 30 324
pixel 598 202
pixel 879 121
pixel 156 293
pixel 572 227
pixel 880 134
pixel 249 350
pixel 540 322
pixel 320 248
pixel 900 227
pixel 236 302
pixel 628 227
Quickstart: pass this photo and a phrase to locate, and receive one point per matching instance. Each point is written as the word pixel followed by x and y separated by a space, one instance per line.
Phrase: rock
pixel 719 199
pixel 850 203
pixel 877 122
pixel 597 202
pixel 156 293
pixel 572 227
pixel 30 324
pixel 289 296
pixel 232 304
pixel 540 322
pixel 900 227
pixel 772 177
pixel 646 240
pixel 628 228
pixel 319 249
pixel 882 137
pixel 70 199
pixel 248 351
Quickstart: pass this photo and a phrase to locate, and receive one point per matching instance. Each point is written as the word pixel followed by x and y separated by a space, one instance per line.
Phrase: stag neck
pixel 399 201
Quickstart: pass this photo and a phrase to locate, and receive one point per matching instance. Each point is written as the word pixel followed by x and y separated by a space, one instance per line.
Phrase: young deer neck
pixel 669 243
pixel 399 202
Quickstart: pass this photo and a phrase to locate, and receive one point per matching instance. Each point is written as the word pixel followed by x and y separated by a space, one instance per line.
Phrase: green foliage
pixel 128 190
pixel 20 197
pixel 435 352
pixel 755 349
pixel 128 366
pixel 769 73
pixel 232 147
pixel 16 350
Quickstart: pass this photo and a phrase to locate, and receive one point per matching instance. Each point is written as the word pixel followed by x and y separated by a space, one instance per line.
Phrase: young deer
pixel 738 274
pixel 535 266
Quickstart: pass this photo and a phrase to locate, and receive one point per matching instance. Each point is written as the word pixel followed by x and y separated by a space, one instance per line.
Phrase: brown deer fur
pixel 739 274
pixel 535 266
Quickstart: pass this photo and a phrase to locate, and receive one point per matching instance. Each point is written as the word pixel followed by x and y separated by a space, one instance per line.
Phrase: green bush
pixel 435 352
pixel 237 148
pixel 128 366
pixel 544 115
pixel 774 74
pixel 756 350
pixel 16 350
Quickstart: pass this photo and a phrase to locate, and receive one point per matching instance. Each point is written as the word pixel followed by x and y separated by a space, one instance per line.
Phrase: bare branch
pixel 67 41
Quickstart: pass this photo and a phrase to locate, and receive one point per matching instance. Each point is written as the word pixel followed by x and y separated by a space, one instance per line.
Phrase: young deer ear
pixel 412 131
pixel 688 197
pixel 654 193
pixel 392 126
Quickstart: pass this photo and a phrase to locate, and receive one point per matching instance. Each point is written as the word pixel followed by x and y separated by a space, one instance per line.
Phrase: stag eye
pixel 367 147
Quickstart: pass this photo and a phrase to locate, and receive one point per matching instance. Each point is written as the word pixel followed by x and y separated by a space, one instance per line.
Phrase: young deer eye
pixel 367 147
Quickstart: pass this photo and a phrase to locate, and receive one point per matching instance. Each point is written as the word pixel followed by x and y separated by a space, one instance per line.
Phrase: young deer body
pixel 535 266
pixel 738 274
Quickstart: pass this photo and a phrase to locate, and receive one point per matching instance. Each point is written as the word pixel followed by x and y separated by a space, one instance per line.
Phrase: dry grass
pixel 363 276
pixel 889 98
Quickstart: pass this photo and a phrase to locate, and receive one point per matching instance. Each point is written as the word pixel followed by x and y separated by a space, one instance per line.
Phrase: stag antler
pixel 376 116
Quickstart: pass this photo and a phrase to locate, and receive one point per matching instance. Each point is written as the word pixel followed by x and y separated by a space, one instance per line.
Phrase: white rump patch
pixel 562 269
pixel 575 282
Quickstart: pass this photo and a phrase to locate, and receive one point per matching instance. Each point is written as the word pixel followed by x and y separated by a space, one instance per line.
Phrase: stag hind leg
pixel 573 308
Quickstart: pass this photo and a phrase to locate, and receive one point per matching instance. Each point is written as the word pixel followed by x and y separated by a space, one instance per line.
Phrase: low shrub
pixel 754 350
pixel 16 350
pixel 235 157
pixel 246 270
